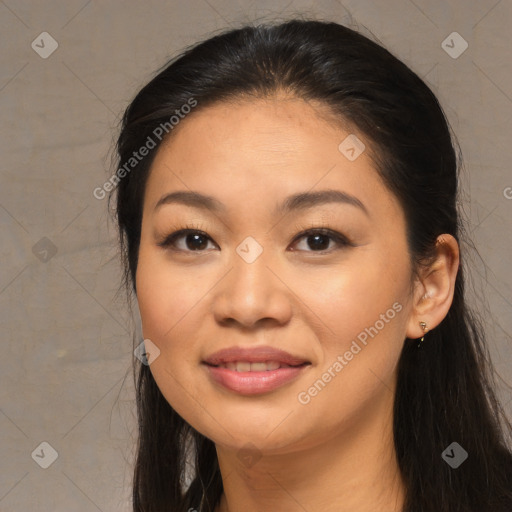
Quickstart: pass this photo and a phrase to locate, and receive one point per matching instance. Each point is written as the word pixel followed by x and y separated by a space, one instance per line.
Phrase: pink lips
pixel 254 382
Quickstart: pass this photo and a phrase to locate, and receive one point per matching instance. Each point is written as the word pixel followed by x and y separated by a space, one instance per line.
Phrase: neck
pixel 354 471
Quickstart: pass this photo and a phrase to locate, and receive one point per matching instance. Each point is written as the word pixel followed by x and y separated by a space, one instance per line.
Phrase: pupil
pixel 196 237
pixel 319 246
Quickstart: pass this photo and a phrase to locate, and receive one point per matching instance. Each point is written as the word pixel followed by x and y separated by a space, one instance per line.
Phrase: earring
pixel 423 325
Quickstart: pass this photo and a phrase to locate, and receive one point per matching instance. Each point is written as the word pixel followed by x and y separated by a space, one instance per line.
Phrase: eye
pixel 195 240
pixel 319 239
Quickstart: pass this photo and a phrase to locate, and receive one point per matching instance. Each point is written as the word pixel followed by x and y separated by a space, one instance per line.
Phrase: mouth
pixel 253 370
pixel 245 357
pixel 250 366
pixel 253 378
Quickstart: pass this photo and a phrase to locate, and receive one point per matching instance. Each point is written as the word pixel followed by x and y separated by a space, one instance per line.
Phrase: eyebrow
pixel 300 201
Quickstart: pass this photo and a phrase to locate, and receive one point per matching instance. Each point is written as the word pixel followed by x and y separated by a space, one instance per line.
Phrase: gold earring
pixel 423 325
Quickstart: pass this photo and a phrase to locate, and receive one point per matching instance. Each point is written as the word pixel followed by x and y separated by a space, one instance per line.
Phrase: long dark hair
pixel 445 391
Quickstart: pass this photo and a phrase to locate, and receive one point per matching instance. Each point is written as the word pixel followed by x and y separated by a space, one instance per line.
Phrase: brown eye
pixel 194 240
pixel 319 239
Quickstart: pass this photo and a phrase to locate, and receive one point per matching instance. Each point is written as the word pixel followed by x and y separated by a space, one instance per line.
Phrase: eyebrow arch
pixel 305 200
pixel 300 201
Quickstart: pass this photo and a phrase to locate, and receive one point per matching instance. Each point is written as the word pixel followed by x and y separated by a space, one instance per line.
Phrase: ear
pixel 433 290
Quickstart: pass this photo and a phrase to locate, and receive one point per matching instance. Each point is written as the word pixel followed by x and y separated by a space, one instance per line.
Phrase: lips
pixel 244 358
pixel 253 371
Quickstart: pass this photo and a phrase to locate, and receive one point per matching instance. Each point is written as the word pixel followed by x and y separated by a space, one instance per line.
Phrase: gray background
pixel 65 370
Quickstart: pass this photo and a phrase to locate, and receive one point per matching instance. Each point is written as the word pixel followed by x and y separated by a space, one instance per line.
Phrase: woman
pixel 286 204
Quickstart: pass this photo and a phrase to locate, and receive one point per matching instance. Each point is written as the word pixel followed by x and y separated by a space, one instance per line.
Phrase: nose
pixel 252 293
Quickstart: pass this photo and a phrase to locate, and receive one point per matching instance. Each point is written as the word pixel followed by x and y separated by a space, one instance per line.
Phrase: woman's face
pixel 251 279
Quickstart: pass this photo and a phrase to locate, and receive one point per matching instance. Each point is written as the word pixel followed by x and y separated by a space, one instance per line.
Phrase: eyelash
pixel 342 241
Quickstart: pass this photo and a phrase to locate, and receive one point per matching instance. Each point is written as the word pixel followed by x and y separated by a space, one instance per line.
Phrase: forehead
pixel 258 150
pixel 278 130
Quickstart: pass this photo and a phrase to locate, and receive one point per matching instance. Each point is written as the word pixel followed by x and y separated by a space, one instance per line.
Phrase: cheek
pixel 164 296
pixel 353 297
pixel 362 309
pixel 361 334
pixel 166 303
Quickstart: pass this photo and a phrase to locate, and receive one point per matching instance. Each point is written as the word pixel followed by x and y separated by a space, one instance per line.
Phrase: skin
pixel 336 452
